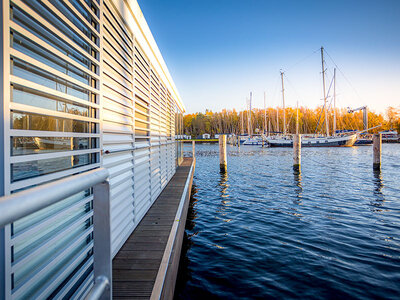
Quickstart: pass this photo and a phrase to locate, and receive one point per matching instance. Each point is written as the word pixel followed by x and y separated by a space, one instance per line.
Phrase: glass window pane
pixel 29 72
pixel 41 215
pixel 38 99
pixel 39 53
pixel 25 170
pixel 29 24
pixel 21 145
pixel 60 25
pixel 72 17
pixel 30 121
pixel 47 255
pixel 82 10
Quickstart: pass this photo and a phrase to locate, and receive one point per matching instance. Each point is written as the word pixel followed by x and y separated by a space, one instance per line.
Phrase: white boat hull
pixel 340 141
pixel 253 142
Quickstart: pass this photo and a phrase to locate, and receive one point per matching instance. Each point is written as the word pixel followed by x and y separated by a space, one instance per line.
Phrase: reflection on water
pixel 266 231
pixel 184 272
pixel 299 187
pixel 379 198
pixel 223 185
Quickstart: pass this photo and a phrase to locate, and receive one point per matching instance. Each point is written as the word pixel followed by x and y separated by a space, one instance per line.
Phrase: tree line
pixel 310 121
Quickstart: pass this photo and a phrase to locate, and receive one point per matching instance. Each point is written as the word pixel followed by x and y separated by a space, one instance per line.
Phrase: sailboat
pixel 251 140
pixel 327 140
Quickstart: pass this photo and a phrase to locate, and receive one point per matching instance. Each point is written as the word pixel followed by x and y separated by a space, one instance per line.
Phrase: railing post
pixel 377 150
pixel 222 153
pixel 297 152
pixel 102 236
pixel 193 149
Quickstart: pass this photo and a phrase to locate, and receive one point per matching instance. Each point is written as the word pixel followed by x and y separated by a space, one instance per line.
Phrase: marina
pixel 113 186
pixel 331 229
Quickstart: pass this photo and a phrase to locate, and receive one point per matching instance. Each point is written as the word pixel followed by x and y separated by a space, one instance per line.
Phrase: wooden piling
pixel 193 149
pixel 238 141
pixel 377 153
pixel 222 153
pixel 297 151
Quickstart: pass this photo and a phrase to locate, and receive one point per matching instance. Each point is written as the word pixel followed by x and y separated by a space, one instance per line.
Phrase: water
pixel 264 231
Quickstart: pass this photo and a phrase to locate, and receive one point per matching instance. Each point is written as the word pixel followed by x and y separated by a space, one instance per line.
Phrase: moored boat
pixel 390 136
pixel 319 141
pixel 253 141
pixel 363 140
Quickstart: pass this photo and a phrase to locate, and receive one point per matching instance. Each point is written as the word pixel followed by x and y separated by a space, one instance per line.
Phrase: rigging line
pixel 344 76
pixel 355 176
pixel 319 119
pixel 302 60
pixel 294 89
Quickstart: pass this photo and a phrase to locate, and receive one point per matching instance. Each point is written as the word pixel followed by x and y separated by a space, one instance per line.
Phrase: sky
pixel 218 51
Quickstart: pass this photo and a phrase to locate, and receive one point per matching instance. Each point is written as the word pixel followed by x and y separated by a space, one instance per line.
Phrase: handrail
pixel 100 286
pixel 21 204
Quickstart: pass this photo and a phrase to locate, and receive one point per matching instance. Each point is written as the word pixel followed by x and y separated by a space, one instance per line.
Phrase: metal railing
pixel 21 204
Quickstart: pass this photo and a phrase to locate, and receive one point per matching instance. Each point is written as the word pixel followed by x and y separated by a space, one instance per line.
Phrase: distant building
pixel 227 135
pixel 206 136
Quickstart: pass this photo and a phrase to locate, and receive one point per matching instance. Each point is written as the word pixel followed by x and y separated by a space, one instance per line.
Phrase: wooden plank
pixel 136 266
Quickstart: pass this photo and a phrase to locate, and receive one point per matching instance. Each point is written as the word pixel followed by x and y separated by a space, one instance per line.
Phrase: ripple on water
pixel 264 231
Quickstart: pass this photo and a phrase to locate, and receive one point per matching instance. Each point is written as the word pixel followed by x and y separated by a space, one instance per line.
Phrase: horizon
pixel 219 52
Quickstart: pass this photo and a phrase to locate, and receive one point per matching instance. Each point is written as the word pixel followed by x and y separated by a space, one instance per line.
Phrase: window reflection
pixel 60 25
pixel 29 24
pixel 25 170
pixel 34 98
pixel 39 76
pixel 21 145
pixel 86 30
pixel 30 121
pixel 31 49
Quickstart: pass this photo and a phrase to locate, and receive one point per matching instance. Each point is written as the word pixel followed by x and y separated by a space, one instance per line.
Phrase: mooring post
pixel 296 151
pixel 193 149
pixel 377 145
pixel 238 141
pixel 222 153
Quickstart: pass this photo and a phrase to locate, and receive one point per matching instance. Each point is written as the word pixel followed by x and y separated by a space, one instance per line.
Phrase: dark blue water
pixel 264 231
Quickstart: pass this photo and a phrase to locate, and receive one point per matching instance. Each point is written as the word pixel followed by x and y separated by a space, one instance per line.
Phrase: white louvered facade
pixel 84 86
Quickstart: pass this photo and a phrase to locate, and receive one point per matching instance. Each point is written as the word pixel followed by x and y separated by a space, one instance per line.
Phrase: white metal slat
pixel 118 131
pixel 48 277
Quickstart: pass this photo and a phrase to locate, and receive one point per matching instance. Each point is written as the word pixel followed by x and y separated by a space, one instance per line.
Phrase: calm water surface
pixel 264 231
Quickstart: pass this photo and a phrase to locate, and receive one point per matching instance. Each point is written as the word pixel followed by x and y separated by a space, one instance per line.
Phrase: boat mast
pixel 250 110
pixel 323 84
pixel 297 118
pixel 283 101
pixel 277 120
pixel 269 124
pixel 265 116
pixel 241 123
pixel 334 101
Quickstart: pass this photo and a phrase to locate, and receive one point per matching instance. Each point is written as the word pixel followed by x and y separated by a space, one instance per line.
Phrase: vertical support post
pixel 102 236
pixel 193 149
pixel 297 152
pixel 238 141
pixel 377 146
pixel 3 244
pixel 222 153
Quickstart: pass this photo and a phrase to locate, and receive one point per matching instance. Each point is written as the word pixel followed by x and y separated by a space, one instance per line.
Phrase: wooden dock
pixel 147 265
